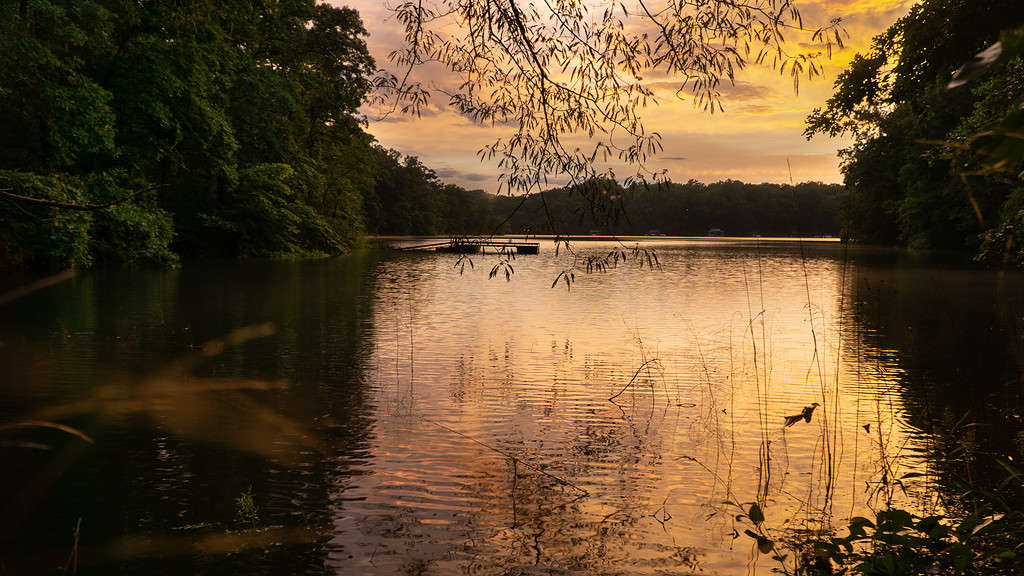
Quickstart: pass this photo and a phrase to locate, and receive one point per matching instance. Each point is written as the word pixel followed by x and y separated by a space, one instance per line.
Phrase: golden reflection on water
pixel 711 353
pixel 391 416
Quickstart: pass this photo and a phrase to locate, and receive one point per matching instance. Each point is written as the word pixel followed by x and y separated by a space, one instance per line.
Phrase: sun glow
pixel 760 128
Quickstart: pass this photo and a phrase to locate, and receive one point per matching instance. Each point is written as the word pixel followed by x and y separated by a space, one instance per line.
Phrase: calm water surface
pixel 393 416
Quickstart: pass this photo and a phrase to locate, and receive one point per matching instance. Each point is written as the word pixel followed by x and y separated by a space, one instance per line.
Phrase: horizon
pixel 760 129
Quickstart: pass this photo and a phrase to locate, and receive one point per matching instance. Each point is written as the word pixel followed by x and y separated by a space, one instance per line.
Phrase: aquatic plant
pixel 246 510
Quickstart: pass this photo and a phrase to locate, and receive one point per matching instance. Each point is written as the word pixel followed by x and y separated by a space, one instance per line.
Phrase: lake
pixel 383 413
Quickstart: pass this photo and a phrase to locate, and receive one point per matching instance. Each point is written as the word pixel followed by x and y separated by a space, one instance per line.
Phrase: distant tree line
pixel 690 209
pixel 408 199
pixel 936 164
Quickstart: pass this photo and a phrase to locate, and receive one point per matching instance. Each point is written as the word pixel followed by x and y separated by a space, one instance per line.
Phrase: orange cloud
pixel 762 125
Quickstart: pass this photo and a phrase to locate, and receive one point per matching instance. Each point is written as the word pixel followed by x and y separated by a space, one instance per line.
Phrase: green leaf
pixel 961 556
pixel 894 519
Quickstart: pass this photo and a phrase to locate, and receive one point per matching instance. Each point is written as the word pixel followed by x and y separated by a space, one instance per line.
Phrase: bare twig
pixel 514 458
pixel 635 374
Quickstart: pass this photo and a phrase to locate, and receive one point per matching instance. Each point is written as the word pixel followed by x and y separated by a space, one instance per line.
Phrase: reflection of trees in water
pixel 956 340
pixel 628 455
pixel 175 443
pixel 657 462
pixel 564 532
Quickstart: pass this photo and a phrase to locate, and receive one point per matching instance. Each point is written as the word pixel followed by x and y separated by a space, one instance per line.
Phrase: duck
pixel 804 414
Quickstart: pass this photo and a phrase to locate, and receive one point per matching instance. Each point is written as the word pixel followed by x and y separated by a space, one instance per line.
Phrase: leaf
pixel 843 543
pixel 861 521
pixel 961 556
pixel 988 521
pixel 755 513
pixel 894 519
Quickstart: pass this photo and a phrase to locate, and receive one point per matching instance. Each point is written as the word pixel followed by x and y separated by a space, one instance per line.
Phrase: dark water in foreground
pixel 392 416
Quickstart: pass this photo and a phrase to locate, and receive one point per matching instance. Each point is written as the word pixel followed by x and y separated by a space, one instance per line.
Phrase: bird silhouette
pixel 804 414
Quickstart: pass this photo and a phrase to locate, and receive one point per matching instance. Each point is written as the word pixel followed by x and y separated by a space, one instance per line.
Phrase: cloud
pixel 756 109
pixel 761 127
pixel 740 91
pixel 385 113
pixel 449 173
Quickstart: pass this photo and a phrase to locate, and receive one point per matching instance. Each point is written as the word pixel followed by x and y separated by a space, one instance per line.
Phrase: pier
pixel 476 246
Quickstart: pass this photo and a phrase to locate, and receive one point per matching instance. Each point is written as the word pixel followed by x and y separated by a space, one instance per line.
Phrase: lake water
pixel 389 415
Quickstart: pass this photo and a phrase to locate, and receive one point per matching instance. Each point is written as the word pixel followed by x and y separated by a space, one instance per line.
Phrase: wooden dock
pixel 477 246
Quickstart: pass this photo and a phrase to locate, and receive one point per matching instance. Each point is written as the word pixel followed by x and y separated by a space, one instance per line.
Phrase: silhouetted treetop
pixel 936 163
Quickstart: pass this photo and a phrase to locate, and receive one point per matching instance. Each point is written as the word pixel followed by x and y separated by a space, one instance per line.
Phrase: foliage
pixel 245 118
pixel 983 538
pixel 406 197
pixel 690 209
pixel 27 239
pixel 932 162
pixel 898 542
pixel 247 512
pixel 245 114
pixel 1005 243
pixel 555 71
pixel 268 218
pixel 131 232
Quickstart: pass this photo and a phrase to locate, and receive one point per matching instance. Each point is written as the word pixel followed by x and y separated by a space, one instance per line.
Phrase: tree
pixel 209 117
pixel 909 181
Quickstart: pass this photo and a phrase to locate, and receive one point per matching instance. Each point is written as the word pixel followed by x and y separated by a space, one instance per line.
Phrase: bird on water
pixel 804 414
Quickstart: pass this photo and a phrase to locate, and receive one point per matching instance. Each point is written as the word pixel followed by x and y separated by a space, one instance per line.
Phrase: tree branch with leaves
pixel 568 79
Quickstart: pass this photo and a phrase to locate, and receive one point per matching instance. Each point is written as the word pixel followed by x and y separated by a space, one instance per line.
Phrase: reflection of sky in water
pixel 401 417
pixel 528 370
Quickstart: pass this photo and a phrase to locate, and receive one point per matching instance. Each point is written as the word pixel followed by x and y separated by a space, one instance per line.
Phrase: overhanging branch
pixel 5 193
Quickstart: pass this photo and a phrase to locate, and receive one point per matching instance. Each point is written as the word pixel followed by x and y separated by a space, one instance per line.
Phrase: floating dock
pixel 477 246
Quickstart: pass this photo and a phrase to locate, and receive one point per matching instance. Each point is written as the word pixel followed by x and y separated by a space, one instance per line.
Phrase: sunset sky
pixel 762 125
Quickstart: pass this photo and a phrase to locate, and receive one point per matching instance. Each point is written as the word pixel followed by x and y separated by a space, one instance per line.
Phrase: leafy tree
pixel 245 114
pixel 907 182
